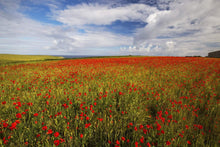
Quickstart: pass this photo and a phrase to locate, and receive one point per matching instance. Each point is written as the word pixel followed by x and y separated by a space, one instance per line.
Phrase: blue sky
pixel 110 27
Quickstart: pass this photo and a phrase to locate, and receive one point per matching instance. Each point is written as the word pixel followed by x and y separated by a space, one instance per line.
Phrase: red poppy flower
pixel 168 143
pixel 188 142
pixel 136 144
pixel 142 139
pixel 56 142
pixel 148 144
pixel 123 138
pixel 62 140
pixel 87 125
pixel 44 128
pixel 117 142
pixel 56 134
pixel 13 126
pixel 49 131
pixel 18 115
pixel 36 114
pixel 38 135
pixel 5 125
pixel 158 127
pixel 135 128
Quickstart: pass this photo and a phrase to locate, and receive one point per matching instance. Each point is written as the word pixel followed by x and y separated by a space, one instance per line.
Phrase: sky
pixel 110 27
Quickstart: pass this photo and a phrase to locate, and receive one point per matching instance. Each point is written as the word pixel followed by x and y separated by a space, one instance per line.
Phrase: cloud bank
pixel 103 14
pixel 173 28
pixel 192 25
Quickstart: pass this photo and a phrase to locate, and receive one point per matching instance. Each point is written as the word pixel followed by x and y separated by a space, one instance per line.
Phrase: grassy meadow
pixel 127 101
pixel 9 58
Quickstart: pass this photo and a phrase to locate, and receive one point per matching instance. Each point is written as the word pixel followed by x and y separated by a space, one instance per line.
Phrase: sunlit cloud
pixel 170 28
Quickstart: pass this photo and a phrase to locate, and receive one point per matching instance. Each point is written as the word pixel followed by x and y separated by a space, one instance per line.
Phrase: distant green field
pixel 8 58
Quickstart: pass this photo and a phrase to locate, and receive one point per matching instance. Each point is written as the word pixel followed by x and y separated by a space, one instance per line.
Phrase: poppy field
pixel 126 101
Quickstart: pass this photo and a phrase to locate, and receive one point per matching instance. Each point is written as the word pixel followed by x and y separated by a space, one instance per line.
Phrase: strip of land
pixel 9 58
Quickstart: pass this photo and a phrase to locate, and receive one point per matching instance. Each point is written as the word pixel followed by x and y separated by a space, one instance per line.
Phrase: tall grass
pixel 136 101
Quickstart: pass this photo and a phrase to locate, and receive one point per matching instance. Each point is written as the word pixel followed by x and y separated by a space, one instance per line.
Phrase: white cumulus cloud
pixel 103 14
pixel 173 27
pixel 23 35
pixel 191 24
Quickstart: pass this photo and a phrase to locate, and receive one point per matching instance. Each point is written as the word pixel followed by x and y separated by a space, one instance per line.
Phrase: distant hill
pixel 215 54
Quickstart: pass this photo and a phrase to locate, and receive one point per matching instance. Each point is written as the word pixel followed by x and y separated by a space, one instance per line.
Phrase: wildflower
pixel 136 144
pixel 148 144
pixel 49 131
pixel 62 140
pixel 18 115
pixel 44 128
pixel 87 125
pixel 188 142
pixel 17 121
pixel 5 125
pixel 5 141
pixel 135 128
pixel 168 143
pixel 117 142
pixel 141 127
pixel 13 126
pixel 158 127
pixel 35 114
pixel 142 139
pixel 123 138
pixel 38 135
pixel 56 142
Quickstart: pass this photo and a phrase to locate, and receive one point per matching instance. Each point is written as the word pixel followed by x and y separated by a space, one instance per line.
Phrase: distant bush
pixel 193 56
pixel 215 54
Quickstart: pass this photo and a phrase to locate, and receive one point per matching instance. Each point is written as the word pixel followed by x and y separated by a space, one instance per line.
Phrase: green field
pixel 9 58
pixel 126 101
